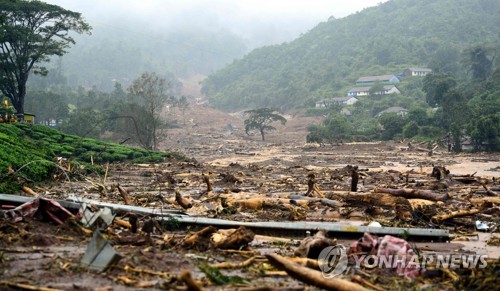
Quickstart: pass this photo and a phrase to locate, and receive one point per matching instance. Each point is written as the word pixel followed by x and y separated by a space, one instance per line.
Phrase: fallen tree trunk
pixel 237 239
pixel 200 239
pixel 324 201
pixel 413 193
pixel 310 276
pixel 260 203
pixel 485 200
pixel 401 205
pixel 489 191
pixel 460 213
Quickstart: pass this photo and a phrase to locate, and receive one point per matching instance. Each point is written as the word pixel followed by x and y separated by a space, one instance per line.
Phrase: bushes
pixel 22 143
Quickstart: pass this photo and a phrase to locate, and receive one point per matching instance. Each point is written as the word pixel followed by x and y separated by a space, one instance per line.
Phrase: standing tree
pixel 31 32
pixel 260 119
pixel 152 90
pixel 479 62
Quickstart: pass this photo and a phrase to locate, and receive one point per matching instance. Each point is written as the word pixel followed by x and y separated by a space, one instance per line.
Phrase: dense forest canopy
pixel 327 60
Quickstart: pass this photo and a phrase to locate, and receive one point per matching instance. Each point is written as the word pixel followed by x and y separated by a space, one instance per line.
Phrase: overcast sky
pixel 248 18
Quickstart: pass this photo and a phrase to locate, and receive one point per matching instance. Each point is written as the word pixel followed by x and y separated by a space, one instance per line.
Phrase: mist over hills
pixel 173 38
pixel 380 40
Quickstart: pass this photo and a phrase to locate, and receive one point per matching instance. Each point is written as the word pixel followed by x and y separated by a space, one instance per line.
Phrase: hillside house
pixel 383 79
pixel 359 91
pixel 417 72
pixel 396 109
pixel 388 89
pixel 340 101
pixel 365 91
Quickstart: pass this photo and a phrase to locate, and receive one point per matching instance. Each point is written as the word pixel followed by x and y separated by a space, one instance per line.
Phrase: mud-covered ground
pixel 252 181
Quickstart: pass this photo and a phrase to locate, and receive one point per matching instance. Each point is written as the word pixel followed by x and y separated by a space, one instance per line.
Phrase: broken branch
pixel 460 213
pixel 310 276
pixel 413 193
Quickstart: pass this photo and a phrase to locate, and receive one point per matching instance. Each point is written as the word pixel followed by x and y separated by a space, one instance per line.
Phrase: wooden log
pixel 195 238
pixel 29 191
pixel 310 276
pixel 237 239
pixel 354 179
pixel 122 223
pixel 312 187
pixel 227 265
pixel 261 203
pixel 401 205
pixel 134 222
pixel 191 284
pixel 306 262
pixel 206 179
pixel 485 200
pixel 182 201
pixel 489 191
pixel 124 195
pixel 460 213
pixel 413 193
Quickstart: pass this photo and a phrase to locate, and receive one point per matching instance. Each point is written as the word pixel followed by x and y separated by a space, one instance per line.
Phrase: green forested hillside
pixel 385 39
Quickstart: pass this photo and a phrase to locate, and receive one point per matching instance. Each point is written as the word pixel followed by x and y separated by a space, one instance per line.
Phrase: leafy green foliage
pixel 327 60
pixel 22 143
pixel 484 125
pixel 218 278
pixel 261 119
pixel 392 125
pixel 32 32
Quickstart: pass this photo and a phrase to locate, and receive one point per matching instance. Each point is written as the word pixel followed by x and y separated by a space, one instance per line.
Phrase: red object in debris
pixel 40 208
pixel 391 249
pixel 368 244
pixel 394 247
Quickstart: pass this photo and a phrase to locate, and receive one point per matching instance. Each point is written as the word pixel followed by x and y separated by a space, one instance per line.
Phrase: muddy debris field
pixel 257 217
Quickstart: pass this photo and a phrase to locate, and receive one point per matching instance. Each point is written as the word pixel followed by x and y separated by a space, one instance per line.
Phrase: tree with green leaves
pixel 479 61
pixel 31 32
pixel 261 119
pixel 392 123
pixel 152 91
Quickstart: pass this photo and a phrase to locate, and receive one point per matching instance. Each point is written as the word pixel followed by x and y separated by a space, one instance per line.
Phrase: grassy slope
pixel 21 143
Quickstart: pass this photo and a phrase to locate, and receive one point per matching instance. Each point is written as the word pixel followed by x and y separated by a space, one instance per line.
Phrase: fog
pixel 259 22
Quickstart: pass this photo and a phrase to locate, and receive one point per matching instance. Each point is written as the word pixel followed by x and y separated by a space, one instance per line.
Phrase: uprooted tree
pixel 30 33
pixel 261 119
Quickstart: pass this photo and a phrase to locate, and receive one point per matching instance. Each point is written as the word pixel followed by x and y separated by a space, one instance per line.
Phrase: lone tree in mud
pixel 30 33
pixel 261 119
pixel 152 91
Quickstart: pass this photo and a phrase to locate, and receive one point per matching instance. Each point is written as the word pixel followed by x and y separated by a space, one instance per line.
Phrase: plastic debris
pixel 375 224
pixel 39 208
pixel 89 216
pixel 99 254
pixel 483 226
